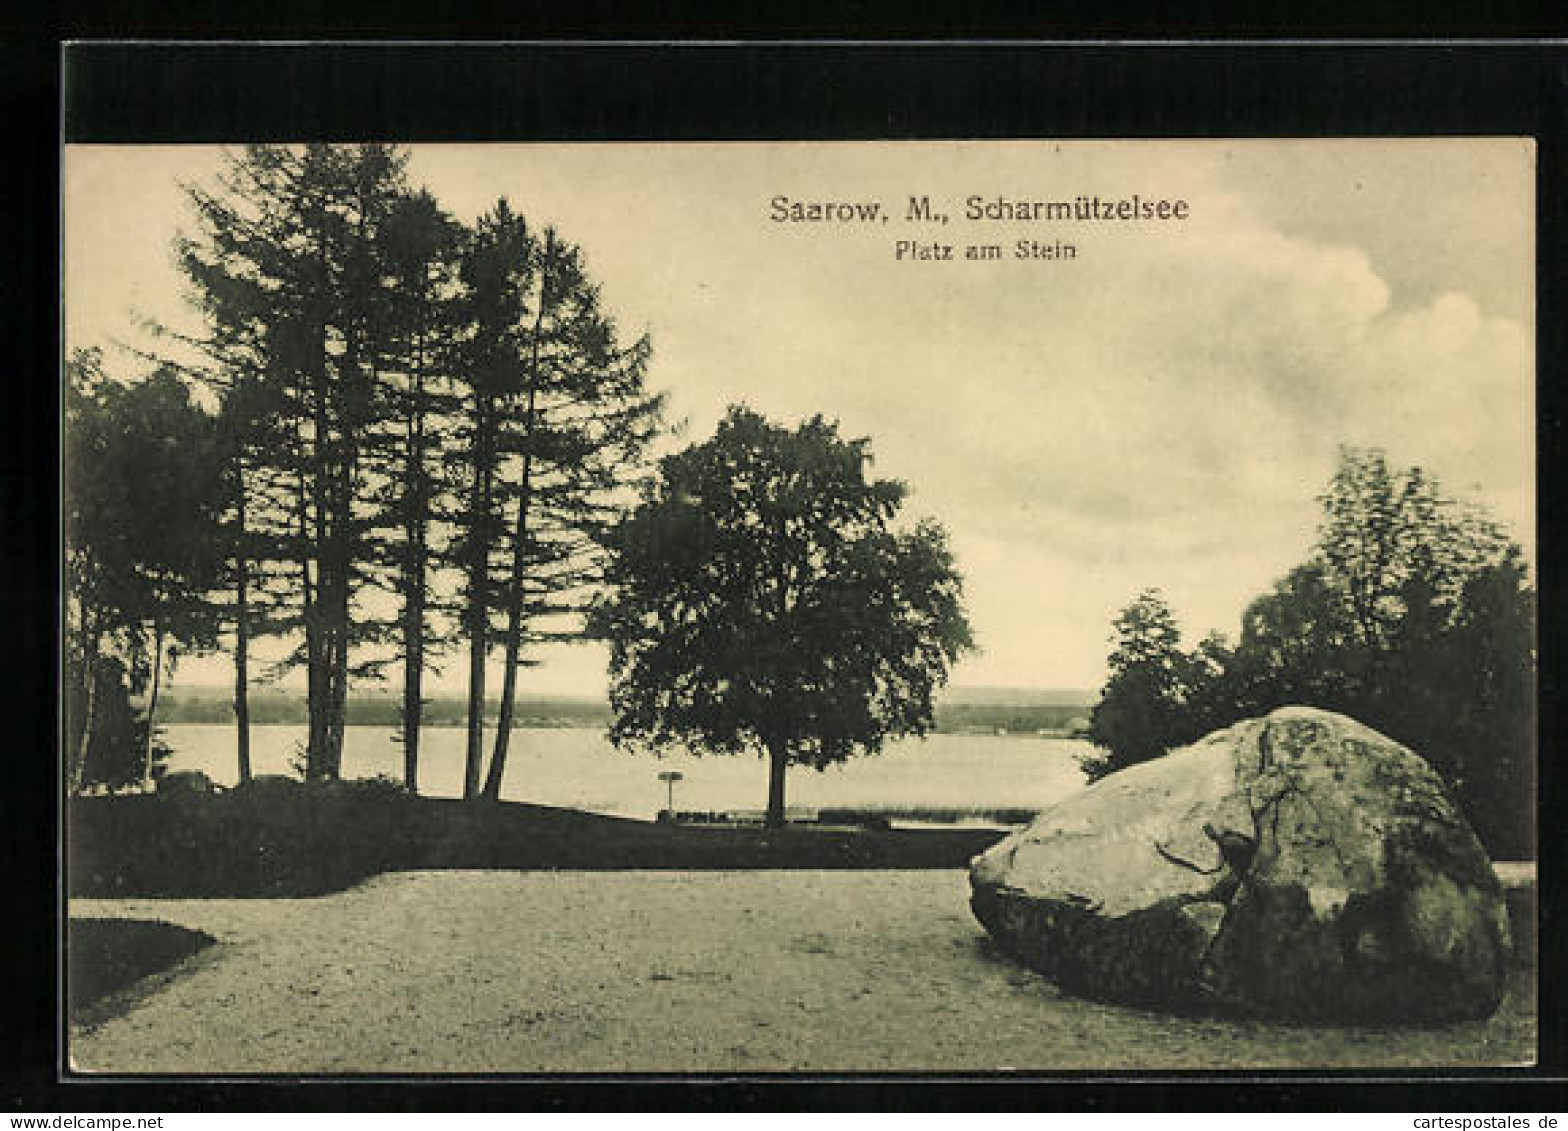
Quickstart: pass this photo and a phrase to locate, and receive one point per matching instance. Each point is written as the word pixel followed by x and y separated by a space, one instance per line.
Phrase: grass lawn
pixel 313 840
pixel 484 946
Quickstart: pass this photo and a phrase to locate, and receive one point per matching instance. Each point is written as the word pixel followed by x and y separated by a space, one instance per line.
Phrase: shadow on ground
pixel 105 957
pixel 313 841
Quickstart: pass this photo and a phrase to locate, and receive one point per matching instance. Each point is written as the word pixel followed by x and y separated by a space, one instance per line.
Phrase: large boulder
pixel 1296 867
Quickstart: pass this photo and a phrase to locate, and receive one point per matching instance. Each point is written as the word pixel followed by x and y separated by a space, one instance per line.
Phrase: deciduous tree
pixel 763 600
pixel 1413 614
pixel 143 499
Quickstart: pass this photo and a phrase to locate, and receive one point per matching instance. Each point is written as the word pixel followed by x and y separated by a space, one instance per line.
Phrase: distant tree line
pixel 387 410
pixel 1016 718
pixel 277 708
pixel 1413 614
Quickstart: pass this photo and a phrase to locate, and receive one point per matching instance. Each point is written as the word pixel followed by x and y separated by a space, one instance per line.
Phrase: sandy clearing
pixel 524 972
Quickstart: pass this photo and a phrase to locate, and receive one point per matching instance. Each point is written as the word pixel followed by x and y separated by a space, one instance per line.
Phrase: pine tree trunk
pixel 79 771
pixel 413 696
pixel 84 741
pixel 315 735
pixel 476 707
pixel 413 660
pixel 515 592
pixel 242 640
pixel 332 615
pixel 357 373
pixel 152 702
pixel 778 762
pixel 503 726
pixel 414 532
pixel 336 555
pixel 315 700
pixel 478 624
pixel 331 757
pixel 338 675
pixel 514 638
pixel 318 640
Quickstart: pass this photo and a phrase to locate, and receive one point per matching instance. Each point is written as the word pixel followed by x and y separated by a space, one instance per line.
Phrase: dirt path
pixel 521 972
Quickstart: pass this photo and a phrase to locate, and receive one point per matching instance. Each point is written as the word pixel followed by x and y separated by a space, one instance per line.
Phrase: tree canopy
pixel 761 599
pixel 413 406
pixel 142 496
pixel 1141 708
pixel 1413 614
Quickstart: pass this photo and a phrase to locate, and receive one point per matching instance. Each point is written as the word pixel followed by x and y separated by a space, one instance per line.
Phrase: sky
pixel 1158 411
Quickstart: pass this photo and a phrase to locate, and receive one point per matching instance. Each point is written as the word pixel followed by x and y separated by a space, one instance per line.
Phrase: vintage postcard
pixel 743 607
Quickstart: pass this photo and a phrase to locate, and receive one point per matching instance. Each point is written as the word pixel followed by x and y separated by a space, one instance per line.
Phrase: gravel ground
pixel 524 972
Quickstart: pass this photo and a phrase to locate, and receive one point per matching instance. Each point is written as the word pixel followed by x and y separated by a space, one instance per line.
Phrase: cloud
pixel 1180 388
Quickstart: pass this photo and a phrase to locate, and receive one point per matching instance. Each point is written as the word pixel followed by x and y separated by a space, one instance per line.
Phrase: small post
pixel 669 778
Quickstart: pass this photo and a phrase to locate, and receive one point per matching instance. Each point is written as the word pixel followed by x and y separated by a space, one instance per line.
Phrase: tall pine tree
pixel 586 417
pixel 287 267
pixel 419 250
pixel 555 415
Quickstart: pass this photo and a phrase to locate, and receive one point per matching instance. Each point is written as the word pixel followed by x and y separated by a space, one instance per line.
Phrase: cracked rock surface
pixel 1297 867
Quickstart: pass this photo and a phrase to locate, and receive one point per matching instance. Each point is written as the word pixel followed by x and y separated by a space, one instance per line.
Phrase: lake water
pixel 579 769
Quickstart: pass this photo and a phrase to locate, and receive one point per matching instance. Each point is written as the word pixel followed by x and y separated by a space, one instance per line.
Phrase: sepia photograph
pixel 750 607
